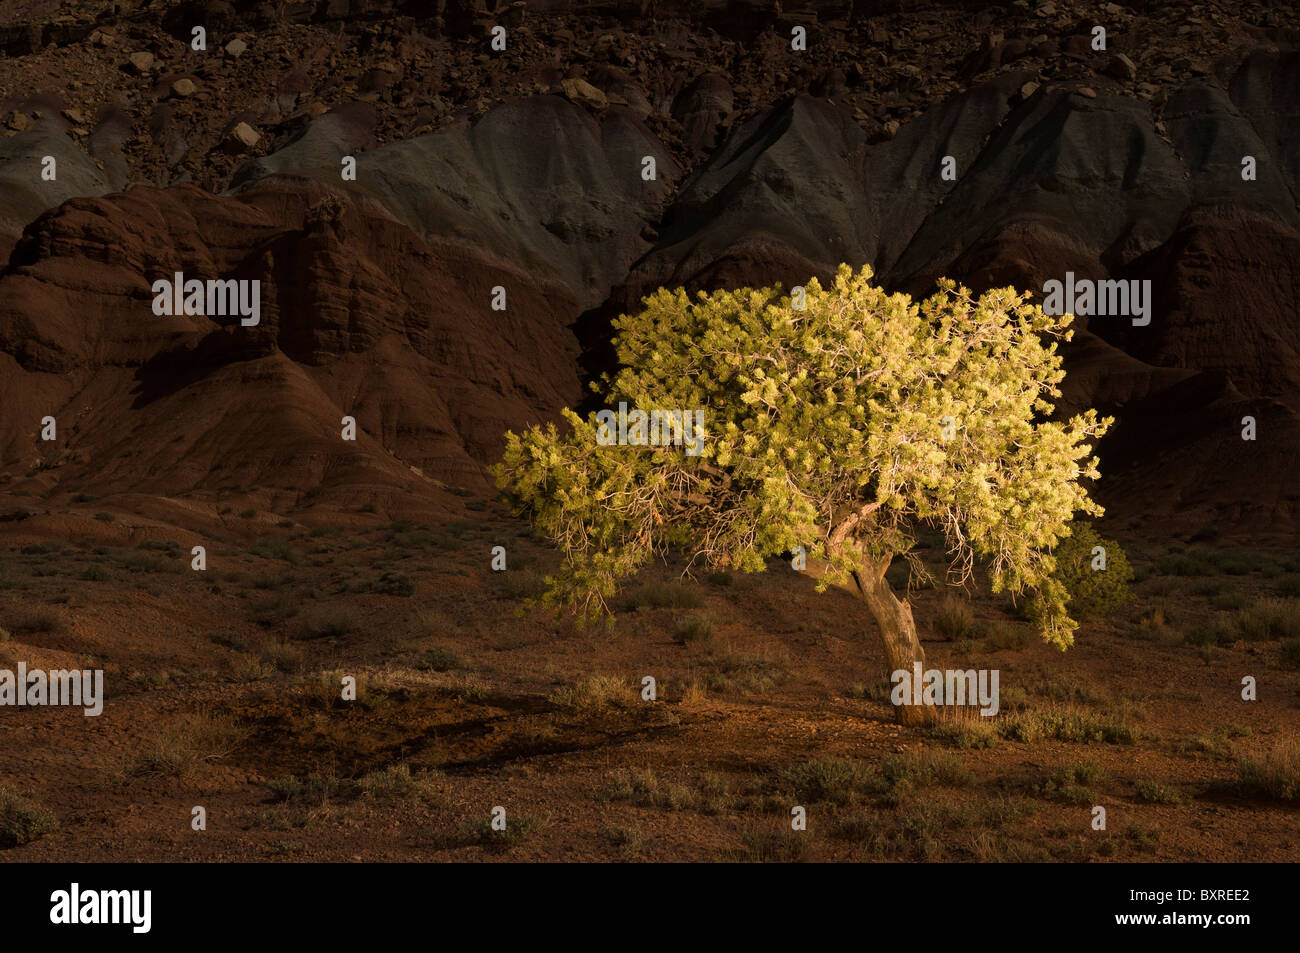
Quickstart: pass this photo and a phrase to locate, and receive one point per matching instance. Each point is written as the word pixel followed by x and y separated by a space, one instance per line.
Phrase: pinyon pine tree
pixel 844 427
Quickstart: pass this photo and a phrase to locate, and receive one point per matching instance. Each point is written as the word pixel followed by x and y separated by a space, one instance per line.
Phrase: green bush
pixel 1092 591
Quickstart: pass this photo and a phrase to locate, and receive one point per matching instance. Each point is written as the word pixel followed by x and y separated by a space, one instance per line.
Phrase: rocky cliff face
pixel 528 173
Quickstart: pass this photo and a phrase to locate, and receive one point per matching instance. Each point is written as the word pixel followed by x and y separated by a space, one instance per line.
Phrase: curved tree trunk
pixel 897 630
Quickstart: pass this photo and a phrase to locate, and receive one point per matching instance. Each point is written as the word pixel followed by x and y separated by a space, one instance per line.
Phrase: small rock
pixel 75 116
pixel 184 88
pixel 892 127
pixel 1087 92
pixel 16 120
pixel 583 93
pixel 1047 10
pixel 1028 89
pixel 1121 67
pixel 236 47
pixel 143 62
pixel 242 137
pixel 316 109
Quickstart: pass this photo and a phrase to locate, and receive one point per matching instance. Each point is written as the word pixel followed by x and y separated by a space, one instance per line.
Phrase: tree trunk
pixel 897 630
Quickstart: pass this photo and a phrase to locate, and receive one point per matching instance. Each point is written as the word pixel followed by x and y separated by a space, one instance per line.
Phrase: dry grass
pixel 188 744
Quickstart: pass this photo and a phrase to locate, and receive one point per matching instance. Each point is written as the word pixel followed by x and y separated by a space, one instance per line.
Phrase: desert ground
pixel 223 692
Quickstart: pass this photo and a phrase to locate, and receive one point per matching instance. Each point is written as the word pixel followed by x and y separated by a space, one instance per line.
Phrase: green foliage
pixel 1092 591
pixel 845 427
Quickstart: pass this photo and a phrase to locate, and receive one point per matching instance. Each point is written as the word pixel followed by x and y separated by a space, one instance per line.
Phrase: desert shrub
pixel 955 617
pixel 829 779
pixel 395 783
pixel 693 628
pixel 1218 743
pixel 1184 564
pixel 189 743
pixel 1092 591
pixel 274 610
pixel 1229 600
pixel 1212 634
pixel 644 788
pixel 1072 782
pixel 1155 793
pixel 628 838
pixel 999 635
pixel 1156 624
pixel 22 820
pixel 37 621
pixel 439 658
pixel 521 583
pixel 480 831
pixel 746 674
pixel 314 788
pixel 666 595
pixel 276 548
pixel 774 847
pixel 284 656
pixel 926 769
pixel 229 639
pixel 1276 775
pixel 595 693
pixel 1065 724
pixel 1270 619
pixel 965 734
pixel 330 623
pixel 1288 588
